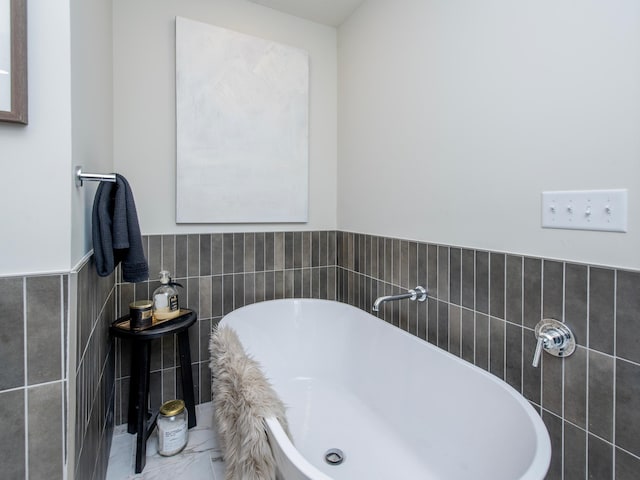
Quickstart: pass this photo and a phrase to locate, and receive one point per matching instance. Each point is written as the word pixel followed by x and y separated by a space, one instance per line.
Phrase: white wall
pixel 36 172
pixel 455 115
pixel 144 103
pixel 91 109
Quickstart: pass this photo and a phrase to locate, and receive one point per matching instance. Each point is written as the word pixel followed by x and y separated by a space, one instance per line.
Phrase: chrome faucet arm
pixel 388 298
pixel 418 293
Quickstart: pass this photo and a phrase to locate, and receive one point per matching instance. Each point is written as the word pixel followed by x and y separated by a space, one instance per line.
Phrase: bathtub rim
pixel 274 428
pixel 541 462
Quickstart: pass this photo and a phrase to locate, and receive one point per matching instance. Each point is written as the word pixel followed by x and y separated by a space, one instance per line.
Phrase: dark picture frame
pixel 18 73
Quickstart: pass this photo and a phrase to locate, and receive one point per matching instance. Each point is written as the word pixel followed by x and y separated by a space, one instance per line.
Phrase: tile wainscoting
pixel 35 408
pixel 33 378
pixel 94 374
pixel 483 307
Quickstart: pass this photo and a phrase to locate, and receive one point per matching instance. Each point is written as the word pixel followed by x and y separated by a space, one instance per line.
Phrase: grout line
pixel 475 323
pixel 25 351
pixel 489 312
pixel 37 385
pixel 615 366
pixel 522 325
pixel 426 282
pixel 504 315
pixel 618 447
pixel 64 352
pixel 448 285
pixel 563 366
pixel 437 278
pixel 541 364
pixel 26 433
pixel 26 377
pixel 586 403
pixel 63 427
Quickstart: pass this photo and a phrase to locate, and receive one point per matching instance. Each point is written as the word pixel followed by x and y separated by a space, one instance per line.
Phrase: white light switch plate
pixel 603 210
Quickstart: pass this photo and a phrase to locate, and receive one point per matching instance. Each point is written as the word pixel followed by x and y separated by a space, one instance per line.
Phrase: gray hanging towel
pixel 116 233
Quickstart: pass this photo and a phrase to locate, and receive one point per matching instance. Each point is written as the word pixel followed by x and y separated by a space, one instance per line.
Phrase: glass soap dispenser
pixel 165 299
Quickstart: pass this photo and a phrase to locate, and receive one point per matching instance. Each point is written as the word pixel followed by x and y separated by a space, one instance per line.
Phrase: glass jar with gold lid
pixel 173 432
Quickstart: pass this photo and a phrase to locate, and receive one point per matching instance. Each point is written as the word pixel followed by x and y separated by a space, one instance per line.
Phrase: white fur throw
pixel 242 399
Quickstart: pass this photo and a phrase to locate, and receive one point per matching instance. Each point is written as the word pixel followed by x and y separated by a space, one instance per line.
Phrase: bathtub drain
pixel 334 456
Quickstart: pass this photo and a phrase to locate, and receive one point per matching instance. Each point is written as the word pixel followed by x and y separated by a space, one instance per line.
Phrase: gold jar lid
pixel 141 304
pixel 172 407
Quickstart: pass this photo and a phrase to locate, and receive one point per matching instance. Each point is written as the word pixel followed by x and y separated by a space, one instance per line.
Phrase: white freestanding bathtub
pixel 395 405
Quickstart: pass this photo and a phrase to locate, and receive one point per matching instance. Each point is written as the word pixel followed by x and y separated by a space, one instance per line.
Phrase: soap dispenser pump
pixel 165 298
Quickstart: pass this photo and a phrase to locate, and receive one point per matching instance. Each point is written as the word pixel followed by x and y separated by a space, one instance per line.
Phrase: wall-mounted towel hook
pixel 80 176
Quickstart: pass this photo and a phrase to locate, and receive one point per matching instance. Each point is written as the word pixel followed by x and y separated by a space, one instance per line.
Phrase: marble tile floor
pixel 201 459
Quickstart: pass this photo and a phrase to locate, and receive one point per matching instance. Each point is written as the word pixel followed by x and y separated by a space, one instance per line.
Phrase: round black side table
pixel 140 421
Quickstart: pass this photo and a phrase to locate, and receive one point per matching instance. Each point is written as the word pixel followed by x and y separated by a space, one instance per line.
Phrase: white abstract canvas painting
pixel 242 107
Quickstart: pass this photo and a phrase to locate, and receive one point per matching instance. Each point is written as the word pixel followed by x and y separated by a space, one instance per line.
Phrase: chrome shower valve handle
pixel 555 338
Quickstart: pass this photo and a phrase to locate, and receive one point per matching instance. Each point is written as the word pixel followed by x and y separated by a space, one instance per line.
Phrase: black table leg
pixel 187 377
pixel 143 351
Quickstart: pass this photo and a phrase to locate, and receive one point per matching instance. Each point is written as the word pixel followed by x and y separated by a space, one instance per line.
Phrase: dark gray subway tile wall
pixel 34 375
pixel 221 272
pixel 483 307
pixel 94 375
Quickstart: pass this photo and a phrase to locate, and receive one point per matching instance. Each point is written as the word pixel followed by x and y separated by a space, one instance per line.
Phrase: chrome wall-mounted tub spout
pixel 419 293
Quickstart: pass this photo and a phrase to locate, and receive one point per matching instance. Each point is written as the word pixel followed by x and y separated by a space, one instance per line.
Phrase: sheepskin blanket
pixel 242 399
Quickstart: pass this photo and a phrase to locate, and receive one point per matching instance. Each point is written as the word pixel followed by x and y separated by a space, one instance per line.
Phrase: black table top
pixel 120 328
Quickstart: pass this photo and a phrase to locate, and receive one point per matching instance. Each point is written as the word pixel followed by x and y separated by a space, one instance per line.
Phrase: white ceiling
pixel 328 12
